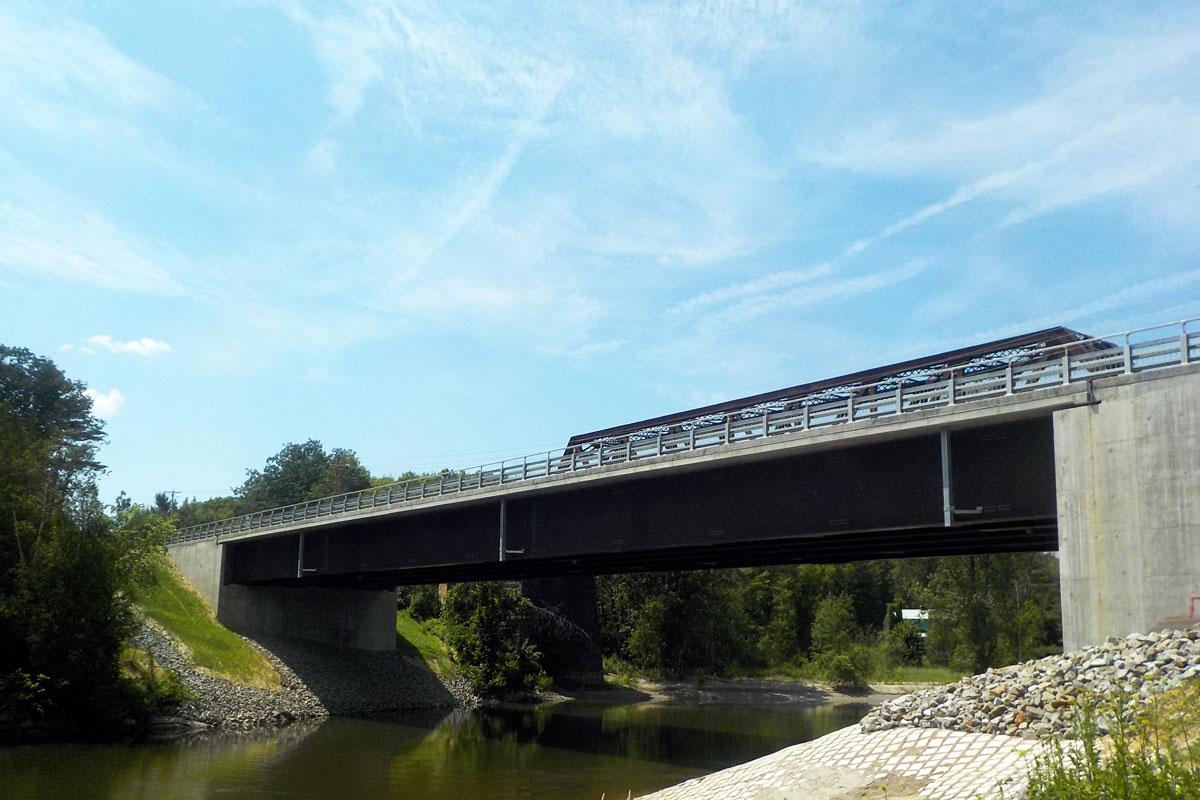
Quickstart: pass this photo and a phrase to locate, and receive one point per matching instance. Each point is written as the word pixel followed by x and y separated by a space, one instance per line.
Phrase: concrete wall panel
pixel 200 563
pixel 1128 483
pixel 348 618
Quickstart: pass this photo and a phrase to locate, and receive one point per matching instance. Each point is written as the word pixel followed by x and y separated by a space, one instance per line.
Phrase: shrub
pixel 902 645
pixel 485 626
pixel 845 669
pixel 423 602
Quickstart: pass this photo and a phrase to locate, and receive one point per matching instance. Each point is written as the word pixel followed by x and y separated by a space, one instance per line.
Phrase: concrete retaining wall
pixel 1128 485
pixel 201 563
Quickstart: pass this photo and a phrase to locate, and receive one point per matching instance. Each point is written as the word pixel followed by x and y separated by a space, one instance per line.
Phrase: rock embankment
pixel 219 703
pixel 1035 698
pixel 315 682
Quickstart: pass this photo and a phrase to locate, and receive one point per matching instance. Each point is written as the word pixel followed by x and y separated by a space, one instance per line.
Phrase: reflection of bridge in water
pixel 1017 444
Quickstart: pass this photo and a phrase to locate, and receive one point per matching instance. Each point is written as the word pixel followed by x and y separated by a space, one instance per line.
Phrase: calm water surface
pixel 568 751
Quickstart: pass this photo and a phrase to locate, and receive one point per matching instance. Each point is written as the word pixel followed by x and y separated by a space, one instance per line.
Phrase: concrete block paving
pixel 896 764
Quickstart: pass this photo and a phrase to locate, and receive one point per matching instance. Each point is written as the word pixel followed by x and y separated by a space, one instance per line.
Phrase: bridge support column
pixel 1128 475
pixel 567 627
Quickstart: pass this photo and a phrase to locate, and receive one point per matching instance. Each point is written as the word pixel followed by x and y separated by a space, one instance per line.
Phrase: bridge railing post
pixel 950 388
pixel 1066 366
pixel 1008 378
pixel 728 429
pixel 1185 355
pixel 900 396
pixel 850 406
pixel 1128 355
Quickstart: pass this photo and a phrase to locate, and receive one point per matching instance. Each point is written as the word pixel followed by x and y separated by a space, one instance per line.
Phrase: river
pixel 563 751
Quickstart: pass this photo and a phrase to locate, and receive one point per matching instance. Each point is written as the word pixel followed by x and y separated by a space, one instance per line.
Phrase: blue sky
pixel 441 234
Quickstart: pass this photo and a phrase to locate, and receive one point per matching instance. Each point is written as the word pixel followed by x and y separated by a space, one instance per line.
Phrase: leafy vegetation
pixel 486 626
pixel 298 472
pixel 169 600
pixel 422 602
pixel 66 567
pixel 839 623
pixel 1151 751
pixel 158 690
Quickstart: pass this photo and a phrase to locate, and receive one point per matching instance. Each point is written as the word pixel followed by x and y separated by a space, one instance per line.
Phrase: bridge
pixel 1052 440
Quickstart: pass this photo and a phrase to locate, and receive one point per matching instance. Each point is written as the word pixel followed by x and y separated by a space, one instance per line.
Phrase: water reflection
pixel 571 750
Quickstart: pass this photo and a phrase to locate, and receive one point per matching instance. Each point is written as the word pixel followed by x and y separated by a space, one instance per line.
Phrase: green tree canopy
pixel 65 566
pixel 301 472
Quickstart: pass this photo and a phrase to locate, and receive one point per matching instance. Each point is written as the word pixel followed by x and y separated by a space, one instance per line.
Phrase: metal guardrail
pixel 1156 347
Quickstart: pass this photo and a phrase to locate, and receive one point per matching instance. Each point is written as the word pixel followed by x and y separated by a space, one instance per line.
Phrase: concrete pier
pixel 1128 485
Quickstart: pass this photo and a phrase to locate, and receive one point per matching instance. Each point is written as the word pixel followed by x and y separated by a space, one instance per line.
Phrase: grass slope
pixel 173 603
pixel 415 641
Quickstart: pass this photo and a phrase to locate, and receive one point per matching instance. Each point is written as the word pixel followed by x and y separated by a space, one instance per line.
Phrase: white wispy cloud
pixel 66 80
pixel 105 405
pixel 1115 114
pixel 767 301
pixel 765 284
pixel 144 346
pixel 43 231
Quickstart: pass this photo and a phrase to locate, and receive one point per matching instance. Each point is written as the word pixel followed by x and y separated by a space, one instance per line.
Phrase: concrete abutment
pixel 359 619
pixel 1127 469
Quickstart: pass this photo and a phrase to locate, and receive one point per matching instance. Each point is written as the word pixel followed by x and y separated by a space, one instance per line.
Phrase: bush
pixel 422 602
pixel 902 645
pixel 485 625
pixel 845 669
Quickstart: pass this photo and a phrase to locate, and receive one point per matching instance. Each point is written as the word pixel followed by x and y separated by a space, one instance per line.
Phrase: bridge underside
pixel 982 490
pixel 1031 535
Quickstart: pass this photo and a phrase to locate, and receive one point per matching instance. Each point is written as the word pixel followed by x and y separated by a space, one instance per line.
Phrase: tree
pixel 980 608
pixel 486 627
pixel 833 629
pixel 300 472
pixel 675 623
pixel 164 504
pixel 65 566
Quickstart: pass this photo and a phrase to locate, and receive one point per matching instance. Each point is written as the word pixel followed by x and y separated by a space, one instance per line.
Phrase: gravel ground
pixel 1034 699
pixel 316 681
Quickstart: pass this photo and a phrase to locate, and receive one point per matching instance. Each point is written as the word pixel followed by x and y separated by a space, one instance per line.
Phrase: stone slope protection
pixel 1034 699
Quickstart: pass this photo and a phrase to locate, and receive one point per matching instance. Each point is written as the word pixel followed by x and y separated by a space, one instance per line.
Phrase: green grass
pixel 415 640
pixel 174 604
pixel 923 675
